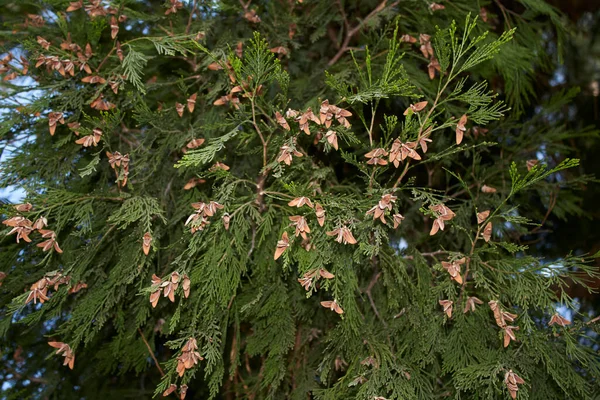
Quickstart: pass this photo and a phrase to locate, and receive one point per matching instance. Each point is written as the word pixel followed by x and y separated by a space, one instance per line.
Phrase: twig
pixel 374 280
pixel 105 58
pixel 594 320
pixel 495 269
pixel 431 254
pixel 455 195
pixel 591 321
pixel 114 45
pixel 278 194
pixel 233 353
pixel 162 373
pixel 503 10
pixel 402 174
pixel 165 30
pixel 296 368
pixel 372 176
pixel 260 135
pixel 465 280
pixel 351 32
pixel 373 109
pixel 19 376
pixel 423 134
pixel 252 243
pixel 341 7
pixel 187 28
pixel 245 6
pixel 230 302
pixel 551 204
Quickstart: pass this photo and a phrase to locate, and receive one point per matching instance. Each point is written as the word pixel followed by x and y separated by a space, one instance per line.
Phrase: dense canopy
pixel 299 199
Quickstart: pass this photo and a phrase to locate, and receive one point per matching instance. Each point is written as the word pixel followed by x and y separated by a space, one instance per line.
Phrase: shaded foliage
pixel 190 142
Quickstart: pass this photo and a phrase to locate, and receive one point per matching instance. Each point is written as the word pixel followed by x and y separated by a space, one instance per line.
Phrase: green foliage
pixel 221 119
pixel 208 152
pixel 386 81
pixel 137 209
pixel 90 168
pixel 536 174
pixel 133 67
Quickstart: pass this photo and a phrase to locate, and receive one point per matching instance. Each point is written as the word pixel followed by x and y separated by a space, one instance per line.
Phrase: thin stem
pixel 430 254
pixel 18 376
pixel 473 243
pixel 503 10
pixel 372 177
pixel 262 138
pixel 551 204
pixel 373 109
pixel 341 7
pixel 162 373
pixel 114 43
pixel 187 28
pixel 246 204
pixel 422 125
pixel 245 5
pixel 594 320
pixel 374 280
pixel 105 58
pixel 353 31
pixel 278 194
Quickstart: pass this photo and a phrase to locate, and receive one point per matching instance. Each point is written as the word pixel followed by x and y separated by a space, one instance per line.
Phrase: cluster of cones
pixel 386 203
pixel 66 351
pixel 199 219
pixel 168 287
pixel 120 163
pixel 5 66
pixel 327 114
pixel 39 290
pixel 173 387
pixel 501 317
pixel 23 227
pixel 189 356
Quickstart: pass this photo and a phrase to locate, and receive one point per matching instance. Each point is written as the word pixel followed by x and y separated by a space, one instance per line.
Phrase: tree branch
pixel 374 280
pixel 431 254
pixel 162 373
pixel 189 23
pixel 353 31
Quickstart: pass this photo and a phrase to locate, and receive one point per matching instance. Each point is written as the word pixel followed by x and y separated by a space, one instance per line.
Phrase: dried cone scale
pixel 189 357
pixel 559 320
pixel 470 304
pixel 447 307
pixel 299 222
pixel 333 306
pixel 512 380
pixel 453 269
pixel 415 108
pixel 191 102
pixel 226 221
pixel 171 389
pixel 461 128
pixel 343 235
pixel 301 201
pixel 66 351
pixel 186 284
pixel 146 243
pixel 282 245
pixel 386 203
pixel 320 213
pixel 156 290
